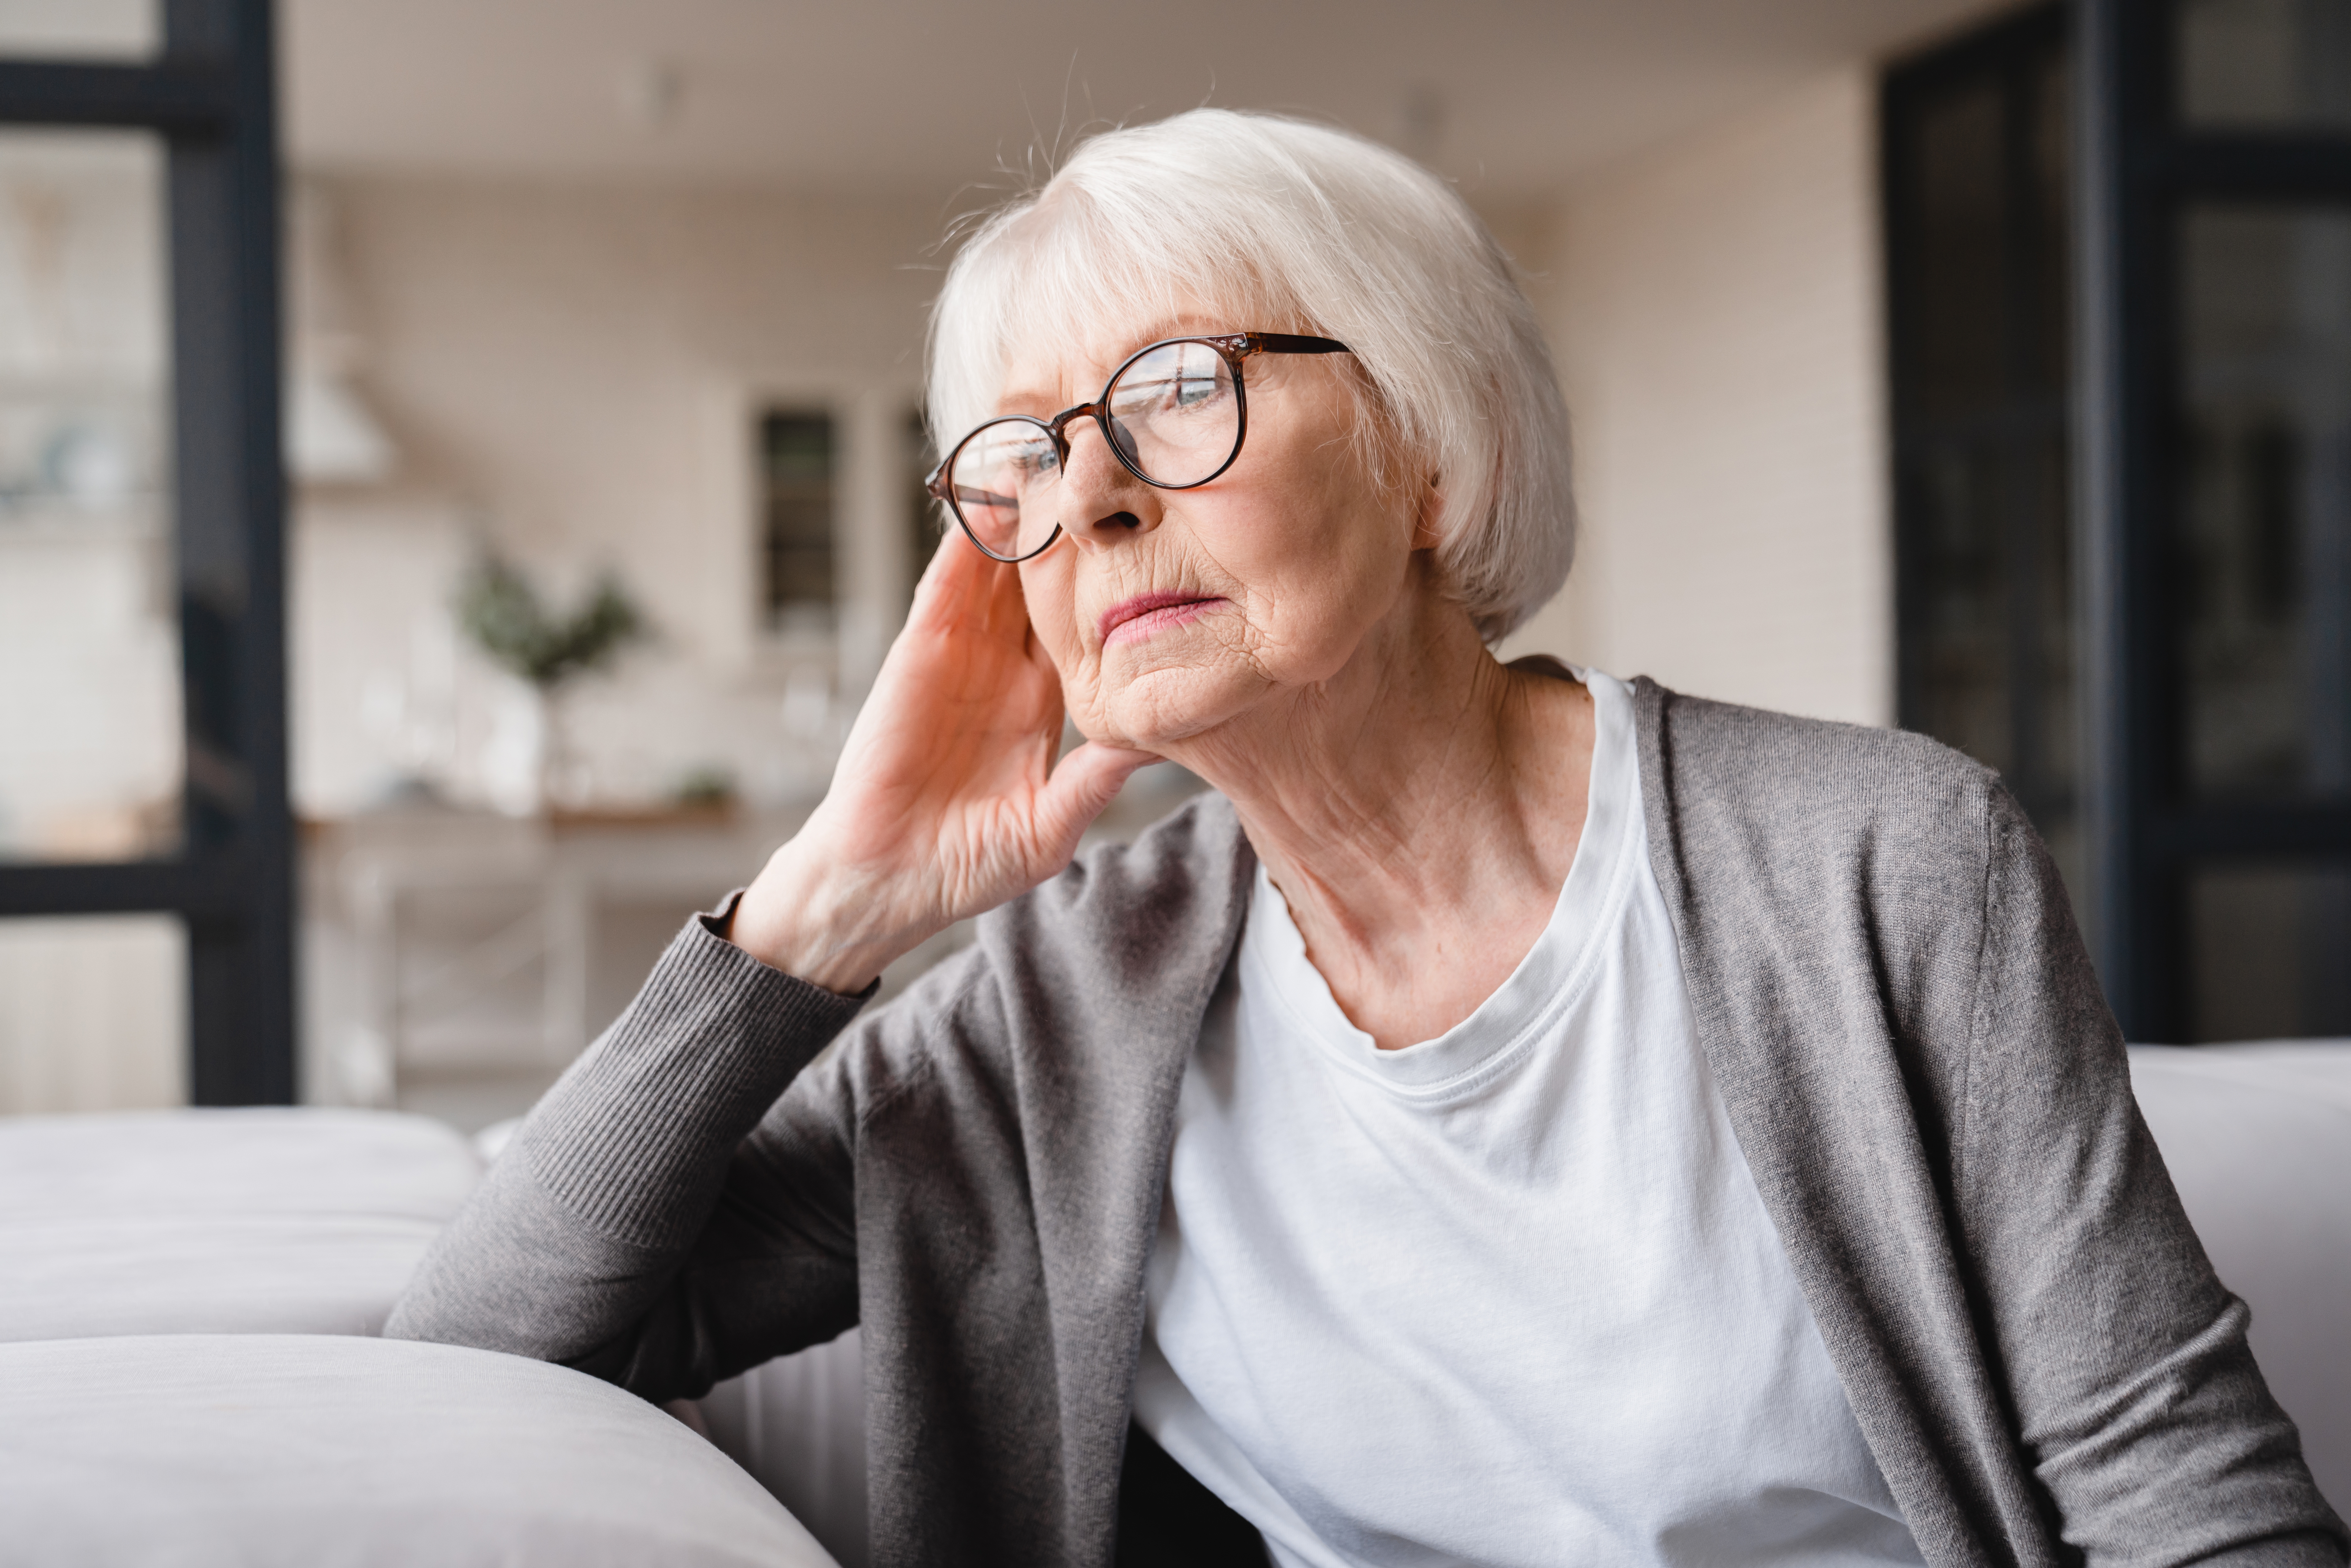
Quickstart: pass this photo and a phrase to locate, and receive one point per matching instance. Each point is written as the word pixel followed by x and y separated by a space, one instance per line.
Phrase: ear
pixel 1432 507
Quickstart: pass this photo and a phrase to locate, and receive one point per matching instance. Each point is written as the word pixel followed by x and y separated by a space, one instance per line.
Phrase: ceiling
pixel 1513 97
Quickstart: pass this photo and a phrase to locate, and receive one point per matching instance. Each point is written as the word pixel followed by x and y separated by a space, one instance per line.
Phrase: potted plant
pixel 510 621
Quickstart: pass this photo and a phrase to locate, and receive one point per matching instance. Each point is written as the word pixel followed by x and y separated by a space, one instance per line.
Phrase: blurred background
pixel 459 458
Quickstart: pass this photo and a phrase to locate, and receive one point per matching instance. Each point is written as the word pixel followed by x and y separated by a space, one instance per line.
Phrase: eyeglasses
pixel 1174 414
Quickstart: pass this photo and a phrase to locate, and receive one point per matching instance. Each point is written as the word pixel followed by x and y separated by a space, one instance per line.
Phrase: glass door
pixel 146 890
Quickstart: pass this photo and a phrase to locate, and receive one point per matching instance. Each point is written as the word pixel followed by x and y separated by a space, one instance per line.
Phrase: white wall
pixel 570 370
pixel 1715 309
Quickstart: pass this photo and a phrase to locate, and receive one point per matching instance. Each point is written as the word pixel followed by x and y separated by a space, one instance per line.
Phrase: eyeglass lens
pixel 1173 411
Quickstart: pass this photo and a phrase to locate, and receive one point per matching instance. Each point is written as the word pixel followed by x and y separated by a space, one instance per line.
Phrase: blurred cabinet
pixel 460 960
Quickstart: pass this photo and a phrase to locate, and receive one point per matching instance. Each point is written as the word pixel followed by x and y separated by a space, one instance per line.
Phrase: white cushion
pixel 73 1278
pixel 253 1221
pixel 263 1449
pixel 262 1160
pixel 2258 1140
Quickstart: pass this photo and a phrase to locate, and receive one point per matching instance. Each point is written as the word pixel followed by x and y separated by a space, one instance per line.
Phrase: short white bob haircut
pixel 1279 226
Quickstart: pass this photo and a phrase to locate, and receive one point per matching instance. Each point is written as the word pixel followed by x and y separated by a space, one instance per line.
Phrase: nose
pixel 1101 502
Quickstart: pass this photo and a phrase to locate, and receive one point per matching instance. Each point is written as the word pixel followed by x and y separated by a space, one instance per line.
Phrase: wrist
pixel 809 921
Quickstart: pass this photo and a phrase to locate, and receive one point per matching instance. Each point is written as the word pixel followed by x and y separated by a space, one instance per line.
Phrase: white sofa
pixel 188 1374
pixel 263 1221
pixel 2258 1140
pixel 271 1224
pixel 296 1451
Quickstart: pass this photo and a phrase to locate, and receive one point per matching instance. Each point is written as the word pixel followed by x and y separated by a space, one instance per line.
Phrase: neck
pixel 1418 810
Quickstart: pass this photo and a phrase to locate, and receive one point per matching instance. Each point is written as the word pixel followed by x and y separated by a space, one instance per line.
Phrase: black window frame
pixel 2028 417
pixel 209 93
pixel 2138 167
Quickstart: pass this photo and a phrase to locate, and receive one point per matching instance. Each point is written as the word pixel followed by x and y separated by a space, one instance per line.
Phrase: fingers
pixel 1085 782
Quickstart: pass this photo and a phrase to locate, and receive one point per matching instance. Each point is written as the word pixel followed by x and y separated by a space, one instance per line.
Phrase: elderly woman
pixel 1516 1118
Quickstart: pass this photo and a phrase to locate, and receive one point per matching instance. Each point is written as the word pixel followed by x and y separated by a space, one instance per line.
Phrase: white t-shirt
pixel 1507 1296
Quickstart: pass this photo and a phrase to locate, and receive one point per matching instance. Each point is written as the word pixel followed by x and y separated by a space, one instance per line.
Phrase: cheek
pixel 1047 588
pixel 1326 560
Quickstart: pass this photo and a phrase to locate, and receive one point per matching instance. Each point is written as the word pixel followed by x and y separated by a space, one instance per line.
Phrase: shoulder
pixel 1749 796
pixel 1835 890
pixel 1796 854
pixel 1726 757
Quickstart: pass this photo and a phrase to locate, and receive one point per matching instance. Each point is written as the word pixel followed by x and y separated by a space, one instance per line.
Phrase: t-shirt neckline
pixel 1557 969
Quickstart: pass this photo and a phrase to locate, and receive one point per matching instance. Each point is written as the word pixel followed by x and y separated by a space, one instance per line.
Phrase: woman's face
pixel 1169 612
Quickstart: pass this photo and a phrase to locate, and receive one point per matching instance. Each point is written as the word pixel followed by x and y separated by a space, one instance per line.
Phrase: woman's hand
pixel 946 802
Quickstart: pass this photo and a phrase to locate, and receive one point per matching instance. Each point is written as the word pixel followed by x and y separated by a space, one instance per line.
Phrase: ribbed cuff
pixel 636 1136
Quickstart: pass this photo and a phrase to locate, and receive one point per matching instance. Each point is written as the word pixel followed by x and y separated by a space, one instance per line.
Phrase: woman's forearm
pixel 570 1245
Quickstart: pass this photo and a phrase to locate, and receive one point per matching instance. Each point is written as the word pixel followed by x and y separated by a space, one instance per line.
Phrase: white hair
pixel 1291 226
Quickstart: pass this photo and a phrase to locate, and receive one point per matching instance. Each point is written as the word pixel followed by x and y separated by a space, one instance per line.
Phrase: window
pixel 797 477
pixel 2141 619
pixel 147 468
pixel 1975 213
pixel 2217 507
pixel 2263 523
pixel 2274 63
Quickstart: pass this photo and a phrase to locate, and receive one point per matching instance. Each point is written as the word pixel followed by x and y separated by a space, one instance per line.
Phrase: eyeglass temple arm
pixel 1245 343
pixel 1292 343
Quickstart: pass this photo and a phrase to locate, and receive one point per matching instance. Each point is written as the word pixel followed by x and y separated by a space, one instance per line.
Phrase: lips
pixel 1132 620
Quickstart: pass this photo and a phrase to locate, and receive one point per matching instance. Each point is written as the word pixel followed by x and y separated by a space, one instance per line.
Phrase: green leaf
pixel 502 612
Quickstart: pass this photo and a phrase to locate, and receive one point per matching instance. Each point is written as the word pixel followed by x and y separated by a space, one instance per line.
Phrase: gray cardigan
pixel 1887 984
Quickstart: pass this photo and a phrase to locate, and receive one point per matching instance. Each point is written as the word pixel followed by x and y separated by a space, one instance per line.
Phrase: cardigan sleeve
pixel 628 1231
pixel 2136 1397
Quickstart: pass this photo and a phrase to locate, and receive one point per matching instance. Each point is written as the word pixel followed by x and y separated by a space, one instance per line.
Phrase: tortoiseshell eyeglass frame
pixel 1234 346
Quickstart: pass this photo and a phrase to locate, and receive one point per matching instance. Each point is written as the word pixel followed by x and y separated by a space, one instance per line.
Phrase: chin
pixel 1169 705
